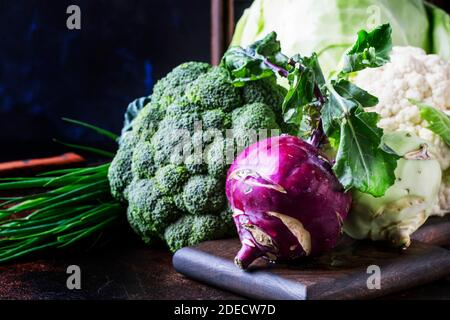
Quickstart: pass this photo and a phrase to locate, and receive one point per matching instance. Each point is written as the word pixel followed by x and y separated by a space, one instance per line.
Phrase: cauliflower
pixel 412 74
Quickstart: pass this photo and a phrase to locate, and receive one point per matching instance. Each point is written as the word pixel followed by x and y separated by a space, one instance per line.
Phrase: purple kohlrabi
pixel 286 201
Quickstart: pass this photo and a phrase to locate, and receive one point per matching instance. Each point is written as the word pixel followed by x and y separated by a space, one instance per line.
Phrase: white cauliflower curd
pixel 412 74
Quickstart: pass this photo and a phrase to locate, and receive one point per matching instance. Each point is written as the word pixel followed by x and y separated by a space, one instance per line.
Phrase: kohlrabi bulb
pixel 407 204
pixel 286 201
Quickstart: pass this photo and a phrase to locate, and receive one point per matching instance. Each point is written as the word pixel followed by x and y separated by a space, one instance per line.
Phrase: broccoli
pixel 120 175
pixel 265 91
pixel 173 85
pixel 171 167
pixel 268 92
pixel 165 92
pixel 190 230
pixel 213 91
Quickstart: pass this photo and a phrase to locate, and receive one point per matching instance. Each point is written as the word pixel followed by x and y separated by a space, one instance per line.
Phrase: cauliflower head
pixel 412 74
pixel 171 165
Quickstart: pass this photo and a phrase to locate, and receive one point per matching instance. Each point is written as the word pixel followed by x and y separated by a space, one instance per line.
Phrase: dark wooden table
pixel 130 270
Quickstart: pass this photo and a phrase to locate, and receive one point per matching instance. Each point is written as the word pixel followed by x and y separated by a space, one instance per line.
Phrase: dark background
pixel 123 47
pixel 48 71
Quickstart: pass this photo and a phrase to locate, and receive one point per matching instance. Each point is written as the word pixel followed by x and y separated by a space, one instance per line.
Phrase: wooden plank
pixel 435 231
pixel 341 274
pixel 222 28
pixel 216 30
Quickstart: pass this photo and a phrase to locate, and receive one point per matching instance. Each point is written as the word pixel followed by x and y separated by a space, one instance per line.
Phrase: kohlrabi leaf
pixel 370 50
pixel 303 72
pixel 335 108
pixel 260 60
pixel 438 121
pixel 347 97
pixel 360 162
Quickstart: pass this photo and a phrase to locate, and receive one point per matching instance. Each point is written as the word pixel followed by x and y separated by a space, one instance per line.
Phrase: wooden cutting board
pixel 341 274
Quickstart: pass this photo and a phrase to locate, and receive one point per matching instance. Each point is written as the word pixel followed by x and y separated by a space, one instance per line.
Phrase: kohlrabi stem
pixel 318 134
pixel 246 256
pixel 281 71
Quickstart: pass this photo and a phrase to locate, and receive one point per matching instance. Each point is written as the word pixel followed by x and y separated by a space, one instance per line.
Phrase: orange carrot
pixel 64 160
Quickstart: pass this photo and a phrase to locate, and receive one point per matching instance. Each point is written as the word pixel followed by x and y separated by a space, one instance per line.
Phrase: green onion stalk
pixel 70 206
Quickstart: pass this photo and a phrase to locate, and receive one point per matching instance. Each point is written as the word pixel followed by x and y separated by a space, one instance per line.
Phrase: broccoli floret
pixel 217 119
pixel 213 90
pixel 171 167
pixel 215 159
pixel 254 116
pixel 195 165
pixel 265 91
pixel 172 86
pixel 119 173
pixel 190 230
pixel 179 108
pixel 149 204
pixel 203 194
pixel 147 121
pixel 171 178
pixel 139 226
pixel 143 164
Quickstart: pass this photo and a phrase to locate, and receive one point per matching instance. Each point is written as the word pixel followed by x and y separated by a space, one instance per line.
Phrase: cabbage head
pixel 329 26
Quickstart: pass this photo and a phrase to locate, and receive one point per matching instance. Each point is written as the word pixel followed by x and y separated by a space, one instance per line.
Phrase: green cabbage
pixel 440 31
pixel 329 26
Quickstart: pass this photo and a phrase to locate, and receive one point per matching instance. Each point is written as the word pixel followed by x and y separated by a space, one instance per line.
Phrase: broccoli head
pixel 171 166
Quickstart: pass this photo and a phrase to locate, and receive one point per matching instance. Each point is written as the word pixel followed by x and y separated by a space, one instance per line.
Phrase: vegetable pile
pixel 297 156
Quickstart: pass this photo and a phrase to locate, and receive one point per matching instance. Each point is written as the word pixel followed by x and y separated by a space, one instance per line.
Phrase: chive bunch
pixel 71 205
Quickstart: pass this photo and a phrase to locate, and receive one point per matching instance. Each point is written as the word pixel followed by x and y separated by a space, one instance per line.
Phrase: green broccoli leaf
pixel 370 50
pixel 132 111
pixel 263 59
pixel 438 121
pixel 361 163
